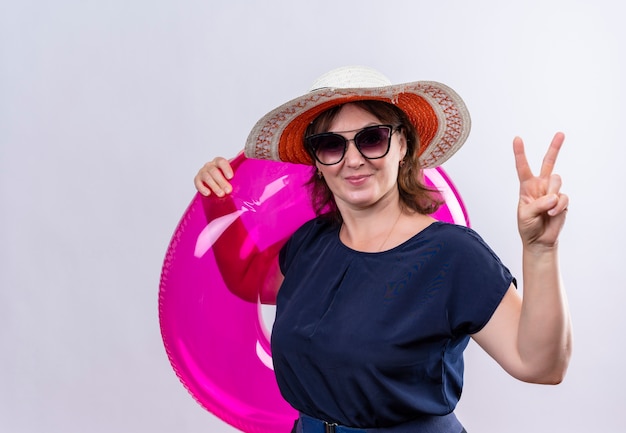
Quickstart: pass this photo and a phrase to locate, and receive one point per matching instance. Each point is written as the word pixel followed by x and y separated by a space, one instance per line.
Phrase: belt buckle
pixel 330 428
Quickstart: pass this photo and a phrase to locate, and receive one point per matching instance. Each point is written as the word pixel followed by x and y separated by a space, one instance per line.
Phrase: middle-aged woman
pixel 379 299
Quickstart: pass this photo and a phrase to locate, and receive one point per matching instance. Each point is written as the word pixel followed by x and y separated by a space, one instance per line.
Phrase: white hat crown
pixel 351 77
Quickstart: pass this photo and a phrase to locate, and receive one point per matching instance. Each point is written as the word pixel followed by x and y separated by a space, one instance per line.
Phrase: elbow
pixel 543 378
pixel 558 372
pixel 549 369
pixel 552 374
pixel 554 378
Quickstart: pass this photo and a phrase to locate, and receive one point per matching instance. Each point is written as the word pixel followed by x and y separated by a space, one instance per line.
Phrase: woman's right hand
pixel 213 178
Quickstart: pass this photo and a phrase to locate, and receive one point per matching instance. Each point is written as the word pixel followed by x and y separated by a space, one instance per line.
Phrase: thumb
pixel 543 204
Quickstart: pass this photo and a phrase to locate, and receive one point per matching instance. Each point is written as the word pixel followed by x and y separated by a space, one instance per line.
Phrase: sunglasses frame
pixel 313 149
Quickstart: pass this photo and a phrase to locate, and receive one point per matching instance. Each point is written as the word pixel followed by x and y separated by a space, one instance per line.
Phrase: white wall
pixel 107 110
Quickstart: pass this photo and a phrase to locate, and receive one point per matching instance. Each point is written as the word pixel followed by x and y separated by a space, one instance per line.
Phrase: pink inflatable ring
pixel 216 335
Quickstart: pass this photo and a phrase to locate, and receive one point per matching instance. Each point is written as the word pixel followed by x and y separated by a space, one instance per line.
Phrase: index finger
pixel 521 163
pixel 549 160
pixel 224 165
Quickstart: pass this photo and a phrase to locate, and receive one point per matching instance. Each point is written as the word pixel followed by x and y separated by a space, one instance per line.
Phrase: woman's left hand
pixel 542 207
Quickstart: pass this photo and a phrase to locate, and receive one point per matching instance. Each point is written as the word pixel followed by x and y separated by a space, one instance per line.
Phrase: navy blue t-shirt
pixel 377 339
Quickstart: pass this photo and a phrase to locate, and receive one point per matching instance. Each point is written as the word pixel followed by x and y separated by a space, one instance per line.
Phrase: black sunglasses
pixel 372 142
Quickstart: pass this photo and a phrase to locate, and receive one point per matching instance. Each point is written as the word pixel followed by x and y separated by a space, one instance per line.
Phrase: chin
pixel 361 201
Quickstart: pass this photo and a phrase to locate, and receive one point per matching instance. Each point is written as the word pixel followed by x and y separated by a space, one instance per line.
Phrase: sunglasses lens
pixel 329 148
pixel 373 142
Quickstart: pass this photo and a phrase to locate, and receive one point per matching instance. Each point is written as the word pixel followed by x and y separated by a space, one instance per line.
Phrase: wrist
pixel 540 254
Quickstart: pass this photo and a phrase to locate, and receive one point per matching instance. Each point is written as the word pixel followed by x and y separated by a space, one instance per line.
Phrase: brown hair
pixel 414 194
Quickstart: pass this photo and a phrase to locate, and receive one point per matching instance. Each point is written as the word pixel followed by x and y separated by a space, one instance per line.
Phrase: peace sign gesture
pixel 542 207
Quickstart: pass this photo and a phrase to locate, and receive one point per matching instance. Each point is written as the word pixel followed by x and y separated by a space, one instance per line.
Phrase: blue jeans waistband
pixel 425 424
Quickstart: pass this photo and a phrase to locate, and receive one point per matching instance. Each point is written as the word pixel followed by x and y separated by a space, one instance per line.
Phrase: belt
pixel 425 424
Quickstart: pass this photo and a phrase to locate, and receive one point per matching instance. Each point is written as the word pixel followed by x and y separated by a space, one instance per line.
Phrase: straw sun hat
pixel 438 113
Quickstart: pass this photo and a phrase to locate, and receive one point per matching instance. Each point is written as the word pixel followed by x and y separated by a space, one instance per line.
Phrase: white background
pixel 108 108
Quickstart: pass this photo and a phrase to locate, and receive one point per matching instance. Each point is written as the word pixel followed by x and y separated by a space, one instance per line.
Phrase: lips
pixel 357 180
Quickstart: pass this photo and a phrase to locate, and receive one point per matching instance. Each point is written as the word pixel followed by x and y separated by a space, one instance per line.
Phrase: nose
pixel 353 157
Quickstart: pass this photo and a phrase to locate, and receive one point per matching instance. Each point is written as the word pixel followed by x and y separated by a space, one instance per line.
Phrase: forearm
pixel 544 340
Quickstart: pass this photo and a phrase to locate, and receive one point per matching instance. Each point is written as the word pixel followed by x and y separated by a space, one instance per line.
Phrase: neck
pixel 371 230
pixel 380 229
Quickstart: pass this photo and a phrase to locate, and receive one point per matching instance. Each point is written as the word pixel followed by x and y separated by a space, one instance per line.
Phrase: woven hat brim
pixel 437 112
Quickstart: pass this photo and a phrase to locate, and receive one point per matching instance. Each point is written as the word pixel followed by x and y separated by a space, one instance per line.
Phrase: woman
pixel 379 300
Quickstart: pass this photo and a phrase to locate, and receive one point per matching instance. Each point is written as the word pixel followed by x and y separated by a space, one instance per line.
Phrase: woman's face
pixel 358 182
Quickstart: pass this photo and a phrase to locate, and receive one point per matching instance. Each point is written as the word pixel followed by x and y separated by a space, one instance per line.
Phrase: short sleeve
pixel 479 281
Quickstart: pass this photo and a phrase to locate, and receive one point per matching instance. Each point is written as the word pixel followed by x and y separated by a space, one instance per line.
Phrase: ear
pixel 318 170
pixel 403 146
